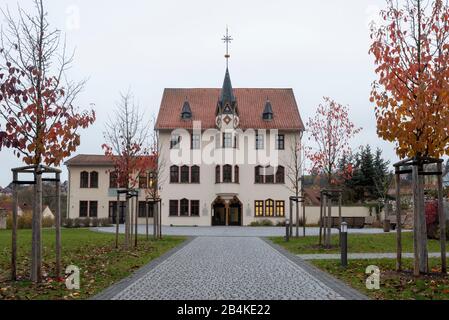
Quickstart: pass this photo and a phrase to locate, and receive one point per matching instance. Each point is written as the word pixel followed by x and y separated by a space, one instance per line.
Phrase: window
pixel 143 181
pixel 227 140
pixel 269 208
pixel 269 174
pixel 184 207
pixel 93 209
pixel 142 209
pixel 280 142
pixel 173 208
pixel 113 180
pixel 151 180
pixel 185 174
pixel 83 209
pixel 175 141
pixel 236 174
pixel 258 177
pixel 280 208
pixel 195 208
pixel 258 208
pixel 217 174
pixel 280 175
pixel 260 143
pixel 94 179
pixel 227 173
pixel 84 179
pixel 196 141
pixel 195 174
pixel 174 174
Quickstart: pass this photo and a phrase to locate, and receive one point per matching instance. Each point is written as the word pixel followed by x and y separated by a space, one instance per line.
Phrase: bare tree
pixel 126 136
pixel 295 173
pixel 156 174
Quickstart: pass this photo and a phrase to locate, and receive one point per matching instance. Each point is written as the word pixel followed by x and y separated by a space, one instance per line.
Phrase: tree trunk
pixel 36 246
pixel 329 222
pixel 160 219
pixel 117 220
pixel 442 218
pixel 136 230
pixel 303 216
pixel 131 220
pixel 321 220
pixel 423 259
pixel 290 230
pixel 58 225
pixel 155 222
pixel 14 229
pixel 127 216
pixel 297 214
pixel 146 220
pixel 398 224
pixel 415 220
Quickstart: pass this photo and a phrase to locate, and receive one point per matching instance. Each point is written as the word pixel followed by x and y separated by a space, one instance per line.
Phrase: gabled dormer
pixel 267 114
pixel 186 112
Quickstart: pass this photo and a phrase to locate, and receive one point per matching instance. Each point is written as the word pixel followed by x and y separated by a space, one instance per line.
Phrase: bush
pixel 77 223
pixel 104 222
pixel 261 223
pixel 48 222
pixel 25 221
pixel 94 222
pixel 67 223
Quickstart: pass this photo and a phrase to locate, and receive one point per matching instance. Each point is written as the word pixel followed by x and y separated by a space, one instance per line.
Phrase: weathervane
pixel 227 39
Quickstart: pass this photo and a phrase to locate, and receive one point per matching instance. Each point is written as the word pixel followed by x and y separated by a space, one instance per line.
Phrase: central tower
pixel 227 116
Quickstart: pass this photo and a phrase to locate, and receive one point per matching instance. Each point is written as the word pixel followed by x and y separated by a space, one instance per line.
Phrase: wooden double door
pixel 227 215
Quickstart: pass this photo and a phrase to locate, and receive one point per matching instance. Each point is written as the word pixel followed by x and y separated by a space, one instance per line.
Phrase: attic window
pixel 268 111
pixel 186 112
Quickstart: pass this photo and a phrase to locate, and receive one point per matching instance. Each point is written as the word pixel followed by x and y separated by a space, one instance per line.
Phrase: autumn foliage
pixel 331 130
pixel 411 96
pixel 38 116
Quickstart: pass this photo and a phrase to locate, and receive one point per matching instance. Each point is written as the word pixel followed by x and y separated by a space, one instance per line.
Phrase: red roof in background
pixel 91 160
pixel 251 103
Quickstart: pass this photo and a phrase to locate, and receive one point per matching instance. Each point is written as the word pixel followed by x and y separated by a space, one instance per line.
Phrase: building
pixel 92 189
pixel 224 158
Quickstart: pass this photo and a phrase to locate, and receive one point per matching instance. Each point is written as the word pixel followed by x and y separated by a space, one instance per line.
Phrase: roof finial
pixel 227 39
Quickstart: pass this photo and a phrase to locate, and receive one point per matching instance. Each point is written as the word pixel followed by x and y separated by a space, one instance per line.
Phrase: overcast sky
pixel 318 48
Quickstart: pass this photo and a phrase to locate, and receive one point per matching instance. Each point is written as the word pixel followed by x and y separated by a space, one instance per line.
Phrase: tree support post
pixel 398 224
pixel 146 220
pixel 14 228
pixel 321 220
pixel 422 244
pixel 58 225
pixel 291 218
pixel 329 222
pixel 442 218
pixel 303 216
pixel 117 218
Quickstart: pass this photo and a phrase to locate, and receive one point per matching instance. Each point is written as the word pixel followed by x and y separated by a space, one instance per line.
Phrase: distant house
pixel 7 207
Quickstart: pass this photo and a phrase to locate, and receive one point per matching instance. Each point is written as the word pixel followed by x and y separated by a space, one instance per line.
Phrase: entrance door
pixel 219 217
pixel 235 215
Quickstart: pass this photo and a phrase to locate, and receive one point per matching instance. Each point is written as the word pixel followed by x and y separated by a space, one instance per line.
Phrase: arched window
pixel 94 179
pixel 269 174
pixel 113 180
pixel 174 174
pixel 258 177
pixel 217 174
pixel 184 207
pixel 269 208
pixel 280 175
pixel 227 173
pixel 195 174
pixel 84 179
pixel 185 174
pixel 236 174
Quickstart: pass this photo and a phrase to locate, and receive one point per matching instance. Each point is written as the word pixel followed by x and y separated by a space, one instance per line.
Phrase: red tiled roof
pixel 251 103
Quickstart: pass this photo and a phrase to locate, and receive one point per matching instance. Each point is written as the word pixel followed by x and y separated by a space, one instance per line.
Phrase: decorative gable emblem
pixel 227 120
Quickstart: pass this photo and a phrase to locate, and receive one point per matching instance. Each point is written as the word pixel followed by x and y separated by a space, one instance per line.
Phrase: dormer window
pixel 186 112
pixel 268 111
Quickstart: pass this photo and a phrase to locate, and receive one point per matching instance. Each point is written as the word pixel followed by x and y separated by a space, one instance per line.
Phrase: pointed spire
pixel 227 94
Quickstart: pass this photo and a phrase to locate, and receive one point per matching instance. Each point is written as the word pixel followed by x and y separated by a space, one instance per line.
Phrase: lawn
pixel 357 243
pixel 393 285
pixel 94 253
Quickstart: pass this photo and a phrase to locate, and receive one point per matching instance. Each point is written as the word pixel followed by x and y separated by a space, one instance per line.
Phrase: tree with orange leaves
pixel 411 96
pixel 38 117
pixel 411 53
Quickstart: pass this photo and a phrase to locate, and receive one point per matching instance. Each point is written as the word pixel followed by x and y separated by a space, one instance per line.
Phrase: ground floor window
pixel 84 209
pixel 93 209
pixel 184 207
pixel 280 208
pixel 173 208
pixel 269 208
pixel 195 208
pixel 259 208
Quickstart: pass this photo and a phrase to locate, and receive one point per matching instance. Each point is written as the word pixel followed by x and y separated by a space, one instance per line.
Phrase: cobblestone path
pixel 215 268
